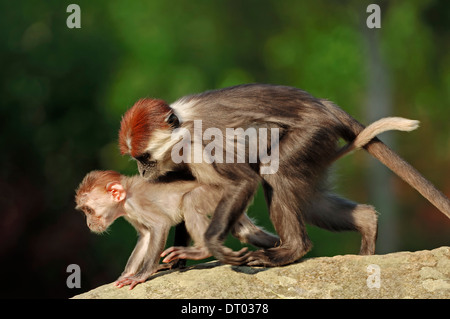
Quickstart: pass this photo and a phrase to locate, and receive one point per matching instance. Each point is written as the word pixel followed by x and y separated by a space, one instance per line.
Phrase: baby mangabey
pixel 152 208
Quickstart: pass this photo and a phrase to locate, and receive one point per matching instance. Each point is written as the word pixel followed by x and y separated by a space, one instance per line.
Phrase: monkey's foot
pixel 173 264
pixel 259 258
pixel 228 256
pixel 180 252
pixel 273 257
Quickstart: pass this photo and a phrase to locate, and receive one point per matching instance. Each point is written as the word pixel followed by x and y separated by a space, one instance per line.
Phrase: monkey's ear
pixel 172 120
pixel 116 190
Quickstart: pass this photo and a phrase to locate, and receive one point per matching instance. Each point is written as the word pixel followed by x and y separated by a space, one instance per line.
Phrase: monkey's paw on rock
pixel 421 274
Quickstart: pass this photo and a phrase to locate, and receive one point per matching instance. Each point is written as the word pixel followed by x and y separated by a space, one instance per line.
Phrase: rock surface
pixel 421 274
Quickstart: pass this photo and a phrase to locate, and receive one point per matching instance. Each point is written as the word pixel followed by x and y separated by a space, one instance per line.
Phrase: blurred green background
pixel 63 92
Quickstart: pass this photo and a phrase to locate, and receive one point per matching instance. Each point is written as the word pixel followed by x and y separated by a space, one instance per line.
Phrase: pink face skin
pixel 102 208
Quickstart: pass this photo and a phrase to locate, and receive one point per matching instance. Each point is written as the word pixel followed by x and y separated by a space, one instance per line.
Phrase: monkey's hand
pixel 180 252
pixel 132 280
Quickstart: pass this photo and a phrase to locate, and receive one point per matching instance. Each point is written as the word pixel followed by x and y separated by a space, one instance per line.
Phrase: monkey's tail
pixel 391 160
pixel 378 127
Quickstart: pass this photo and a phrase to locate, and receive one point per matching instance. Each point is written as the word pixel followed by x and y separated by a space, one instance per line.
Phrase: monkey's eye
pixel 144 158
pixel 88 210
pixel 172 120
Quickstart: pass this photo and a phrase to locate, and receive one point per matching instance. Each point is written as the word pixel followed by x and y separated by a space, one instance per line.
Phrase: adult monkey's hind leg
pixel 334 213
pixel 302 167
pixel 285 207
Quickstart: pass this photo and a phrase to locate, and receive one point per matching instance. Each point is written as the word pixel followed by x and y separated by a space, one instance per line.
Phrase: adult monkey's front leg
pixel 233 204
pixel 183 239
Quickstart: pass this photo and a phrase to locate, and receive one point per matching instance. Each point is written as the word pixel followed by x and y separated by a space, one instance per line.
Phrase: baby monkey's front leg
pixel 144 261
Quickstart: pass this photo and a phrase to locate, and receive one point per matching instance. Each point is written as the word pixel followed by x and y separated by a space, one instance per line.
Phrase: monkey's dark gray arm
pixel 182 238
pixel 229 210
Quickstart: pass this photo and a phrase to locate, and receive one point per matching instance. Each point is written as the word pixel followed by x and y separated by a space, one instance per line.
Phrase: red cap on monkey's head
pixel 138 124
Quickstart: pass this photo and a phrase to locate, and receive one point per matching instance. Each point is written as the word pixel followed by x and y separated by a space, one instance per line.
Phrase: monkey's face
pixel 145 134
pixel 95 223
pixel 148 168
pixel 156 160
pixel 100 210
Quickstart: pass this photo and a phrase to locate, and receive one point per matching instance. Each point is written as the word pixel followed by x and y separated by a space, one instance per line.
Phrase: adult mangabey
pixel 308 128
pixel 152 208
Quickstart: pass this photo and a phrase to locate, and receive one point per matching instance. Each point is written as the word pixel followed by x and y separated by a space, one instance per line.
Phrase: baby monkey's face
pixel 100 210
